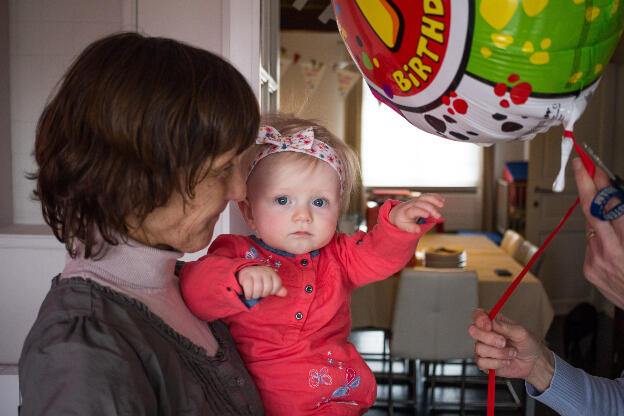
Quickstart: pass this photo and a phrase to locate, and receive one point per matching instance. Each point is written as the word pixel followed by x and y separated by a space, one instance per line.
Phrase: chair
pixel 511 241
pixel 433 310
pixel 525 252
pixel 432 313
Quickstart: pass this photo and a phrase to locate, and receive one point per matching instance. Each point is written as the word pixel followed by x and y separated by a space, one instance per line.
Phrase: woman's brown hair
pixel 134 120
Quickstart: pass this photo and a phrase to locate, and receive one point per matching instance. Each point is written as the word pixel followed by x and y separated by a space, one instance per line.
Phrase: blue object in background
pixel 516 171
pixel 495 237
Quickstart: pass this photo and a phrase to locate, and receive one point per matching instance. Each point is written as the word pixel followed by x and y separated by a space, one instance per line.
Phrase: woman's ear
pixel 245 209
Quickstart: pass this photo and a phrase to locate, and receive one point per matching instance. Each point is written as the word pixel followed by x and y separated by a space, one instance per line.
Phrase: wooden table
pixel 529 305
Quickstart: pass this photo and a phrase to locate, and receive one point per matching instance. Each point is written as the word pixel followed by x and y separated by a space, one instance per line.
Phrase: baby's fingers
pixel 422 209
pixel 248 286
pixel 276 285
pixel 435 199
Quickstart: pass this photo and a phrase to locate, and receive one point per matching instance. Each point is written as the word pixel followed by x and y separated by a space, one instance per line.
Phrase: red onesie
pixel 296 346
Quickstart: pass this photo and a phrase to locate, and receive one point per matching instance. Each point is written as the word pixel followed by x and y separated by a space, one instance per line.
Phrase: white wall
pixel 322 103
pixel 44 37
pixel 508 152
pixel 9 391
pixel 29 262
pixel 197 22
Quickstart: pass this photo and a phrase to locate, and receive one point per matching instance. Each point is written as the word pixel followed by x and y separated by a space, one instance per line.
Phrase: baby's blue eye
pixel 319 202
pixel 282 200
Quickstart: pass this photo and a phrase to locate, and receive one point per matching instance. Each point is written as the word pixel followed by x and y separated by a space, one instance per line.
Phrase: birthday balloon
pixel 482 71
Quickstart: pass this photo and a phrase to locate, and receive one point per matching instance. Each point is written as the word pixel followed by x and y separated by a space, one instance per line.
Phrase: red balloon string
pixel 590 167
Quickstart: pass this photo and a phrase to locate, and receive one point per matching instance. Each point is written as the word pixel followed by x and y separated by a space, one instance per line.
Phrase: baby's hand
pixel 405 215
pixel 260 281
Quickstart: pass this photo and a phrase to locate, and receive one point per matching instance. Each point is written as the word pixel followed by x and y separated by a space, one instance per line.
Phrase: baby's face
pixel 294 204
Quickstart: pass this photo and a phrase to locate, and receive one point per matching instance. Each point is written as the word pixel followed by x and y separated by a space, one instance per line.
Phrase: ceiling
pixel 307 18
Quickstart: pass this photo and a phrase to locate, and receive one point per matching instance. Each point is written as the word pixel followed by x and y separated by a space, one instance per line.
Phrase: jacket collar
pixel 280 252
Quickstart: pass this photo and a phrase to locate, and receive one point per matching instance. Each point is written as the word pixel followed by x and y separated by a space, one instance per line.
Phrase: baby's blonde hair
pixel 288 124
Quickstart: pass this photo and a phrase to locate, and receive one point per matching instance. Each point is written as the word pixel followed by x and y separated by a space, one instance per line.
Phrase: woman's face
pixel 188 227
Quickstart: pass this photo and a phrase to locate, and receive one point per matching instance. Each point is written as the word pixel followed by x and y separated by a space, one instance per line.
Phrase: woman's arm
pixel 81 367
pixel 516 353
pixel 574 392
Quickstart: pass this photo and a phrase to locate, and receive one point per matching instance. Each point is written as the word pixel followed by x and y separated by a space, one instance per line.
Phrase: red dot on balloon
pixel 446 100
pixel 453 94
pixel 504 103
pixel 450 110
pixel 500 89
pixel 513 78
pixel 460 106
pixel 520 93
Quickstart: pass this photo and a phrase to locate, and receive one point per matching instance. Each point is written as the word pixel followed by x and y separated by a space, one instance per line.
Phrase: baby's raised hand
pixel 405 215
pixel 260 281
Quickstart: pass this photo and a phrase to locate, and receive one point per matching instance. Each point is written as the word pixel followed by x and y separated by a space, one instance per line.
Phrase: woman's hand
pixel 405 215
pixel 511 350
pixel 260 281
pixel 604 258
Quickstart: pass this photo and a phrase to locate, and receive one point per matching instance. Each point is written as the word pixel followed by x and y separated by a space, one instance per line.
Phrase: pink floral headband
pixel 301 142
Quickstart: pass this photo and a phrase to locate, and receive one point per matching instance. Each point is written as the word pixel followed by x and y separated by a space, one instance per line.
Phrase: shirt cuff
pixel 565 393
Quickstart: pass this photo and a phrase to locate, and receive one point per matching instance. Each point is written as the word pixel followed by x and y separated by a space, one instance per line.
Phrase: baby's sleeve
pixel 209 285
pixel 384 251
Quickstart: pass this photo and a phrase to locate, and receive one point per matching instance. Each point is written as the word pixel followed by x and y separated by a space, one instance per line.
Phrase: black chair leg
pixel 462 400
pixel 390 404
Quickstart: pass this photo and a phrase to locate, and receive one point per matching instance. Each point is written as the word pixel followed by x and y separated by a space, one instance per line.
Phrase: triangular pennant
pixel 284 62
pixel 312 72
pixel 346 80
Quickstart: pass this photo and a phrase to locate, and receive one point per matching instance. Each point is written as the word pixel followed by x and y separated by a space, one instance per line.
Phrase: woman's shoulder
pixel 90 334
pixel 84 311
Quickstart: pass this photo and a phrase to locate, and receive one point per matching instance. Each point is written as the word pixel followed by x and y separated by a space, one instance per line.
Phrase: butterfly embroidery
pixel 351 382
pixel 252 253
pixel 319 377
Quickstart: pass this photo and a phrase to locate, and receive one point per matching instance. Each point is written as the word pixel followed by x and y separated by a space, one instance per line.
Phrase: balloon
pixel 482 71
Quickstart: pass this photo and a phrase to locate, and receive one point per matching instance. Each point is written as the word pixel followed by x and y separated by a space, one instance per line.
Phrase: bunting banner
pixel 285 62
pixel 346 80
pixel 312 72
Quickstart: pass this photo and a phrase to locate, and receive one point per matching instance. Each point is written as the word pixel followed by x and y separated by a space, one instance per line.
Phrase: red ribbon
pixel 590 167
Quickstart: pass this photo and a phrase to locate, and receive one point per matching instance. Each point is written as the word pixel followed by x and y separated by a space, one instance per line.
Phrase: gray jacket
pixel 94 351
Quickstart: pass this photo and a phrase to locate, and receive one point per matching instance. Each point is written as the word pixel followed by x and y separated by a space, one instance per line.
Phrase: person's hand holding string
pixel 511 350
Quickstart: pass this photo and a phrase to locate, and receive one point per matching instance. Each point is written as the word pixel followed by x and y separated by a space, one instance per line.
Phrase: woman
pixel 514 352
pixel 138 154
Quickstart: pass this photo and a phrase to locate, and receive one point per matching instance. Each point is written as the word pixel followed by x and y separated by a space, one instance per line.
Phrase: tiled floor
pixel 408 396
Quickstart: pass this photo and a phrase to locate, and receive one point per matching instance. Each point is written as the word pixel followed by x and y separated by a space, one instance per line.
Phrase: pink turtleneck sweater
pixel 146 274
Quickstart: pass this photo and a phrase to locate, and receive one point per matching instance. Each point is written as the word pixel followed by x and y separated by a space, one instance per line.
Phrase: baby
pixel 285 291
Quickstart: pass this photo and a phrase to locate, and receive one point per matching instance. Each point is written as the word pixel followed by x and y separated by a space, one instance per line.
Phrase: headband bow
pixel 301 142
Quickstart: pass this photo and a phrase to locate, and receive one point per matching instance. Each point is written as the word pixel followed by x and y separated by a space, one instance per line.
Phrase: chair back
pixel 523 254
pixel 433 310
pixel 511 241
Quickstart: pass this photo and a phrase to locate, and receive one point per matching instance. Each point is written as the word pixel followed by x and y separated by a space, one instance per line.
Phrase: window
pixel 397 154
pixel 269 45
